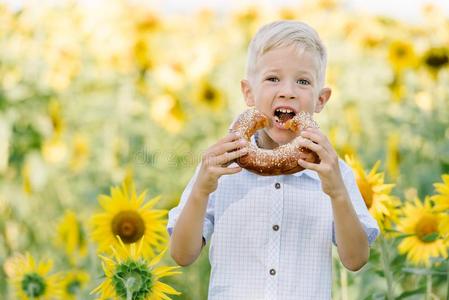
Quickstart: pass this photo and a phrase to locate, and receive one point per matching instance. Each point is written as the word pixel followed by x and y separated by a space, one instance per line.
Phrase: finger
pixel 317 148
pixel 225 158
pixel 216 150
pixel 230 156
pixel 315 135
pixel 313 129
pixel 308 165
pixel 229 137
pixel 227 171
pixel 231 146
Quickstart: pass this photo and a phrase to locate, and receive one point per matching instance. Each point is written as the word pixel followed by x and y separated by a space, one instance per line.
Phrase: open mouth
pixel 282 115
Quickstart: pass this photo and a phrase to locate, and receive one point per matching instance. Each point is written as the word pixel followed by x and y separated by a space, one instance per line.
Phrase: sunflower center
pixel 426 227
pixel 73 286
pixel 209 94
pixel 129 225
pixel 33 285
pixel 367 193
pixel 437 58
pixel 401 52
pixel 132 277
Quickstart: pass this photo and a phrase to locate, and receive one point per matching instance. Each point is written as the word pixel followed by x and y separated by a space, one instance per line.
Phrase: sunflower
pixel 142 53
pixel 72 283
pixel 167 112
pixel 31 279
pixel 435 59
pixel 208 95
pixel 71 236
pixel 247 20
pixel 352 116
pixel 146 21
pixel 327 4
pixel 424 227
pixel 397 87
pixel 401 55
pixel 393 155
pixel 126 216
pixel 442 198
pixel 80 153
pixel 171 76
pixel 55 114
pixel 376 194
pixel 129 275
pixel 54 149
pixel 287 13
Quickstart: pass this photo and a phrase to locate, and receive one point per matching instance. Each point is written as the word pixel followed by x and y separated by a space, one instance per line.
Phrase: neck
pixel 264 141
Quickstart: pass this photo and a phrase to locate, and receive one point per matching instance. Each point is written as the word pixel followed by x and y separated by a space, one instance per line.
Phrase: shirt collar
pixel 312 174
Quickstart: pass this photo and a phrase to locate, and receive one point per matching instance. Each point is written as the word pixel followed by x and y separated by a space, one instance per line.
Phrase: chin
pixel 281 142
pixel 281 138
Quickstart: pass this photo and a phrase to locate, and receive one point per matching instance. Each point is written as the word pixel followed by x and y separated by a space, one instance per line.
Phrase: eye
pixel 303 81
pixel 273 79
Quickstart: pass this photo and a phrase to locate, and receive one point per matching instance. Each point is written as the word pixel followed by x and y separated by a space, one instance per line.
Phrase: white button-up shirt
pixel 271 236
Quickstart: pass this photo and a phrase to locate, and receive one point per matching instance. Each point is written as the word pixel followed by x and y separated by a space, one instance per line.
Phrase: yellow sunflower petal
pixel 127 216
pixel 165 288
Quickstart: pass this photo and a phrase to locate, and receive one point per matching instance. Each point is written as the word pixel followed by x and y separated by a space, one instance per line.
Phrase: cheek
pixel 263 97
pixel 308 101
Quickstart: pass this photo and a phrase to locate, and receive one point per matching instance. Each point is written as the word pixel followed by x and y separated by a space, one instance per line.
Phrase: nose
pixel 287 90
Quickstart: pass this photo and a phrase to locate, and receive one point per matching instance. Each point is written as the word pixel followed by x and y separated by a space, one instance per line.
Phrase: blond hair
pixel 283 34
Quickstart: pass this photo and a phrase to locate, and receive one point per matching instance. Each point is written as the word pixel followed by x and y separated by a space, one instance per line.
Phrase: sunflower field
pixel 107 106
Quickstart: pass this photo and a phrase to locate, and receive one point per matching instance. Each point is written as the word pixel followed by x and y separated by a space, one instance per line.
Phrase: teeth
pixel 284 110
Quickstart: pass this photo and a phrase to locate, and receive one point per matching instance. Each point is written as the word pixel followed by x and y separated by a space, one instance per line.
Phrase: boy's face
pixel 283 84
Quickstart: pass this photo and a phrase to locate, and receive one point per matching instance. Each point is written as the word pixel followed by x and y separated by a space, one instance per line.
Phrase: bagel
pixel 278 161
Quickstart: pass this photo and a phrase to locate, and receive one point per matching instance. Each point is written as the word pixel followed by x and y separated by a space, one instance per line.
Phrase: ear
pixel 247 92
pixel 323 97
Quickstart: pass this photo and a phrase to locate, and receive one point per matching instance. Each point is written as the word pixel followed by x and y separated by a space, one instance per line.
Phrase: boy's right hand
pixel 215 161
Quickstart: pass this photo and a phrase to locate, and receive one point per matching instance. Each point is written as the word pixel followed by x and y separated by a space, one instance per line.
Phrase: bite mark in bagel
pixel 281 160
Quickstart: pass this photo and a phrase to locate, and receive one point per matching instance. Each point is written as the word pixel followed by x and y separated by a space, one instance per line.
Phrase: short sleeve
pixel 368 222
pixel 173 214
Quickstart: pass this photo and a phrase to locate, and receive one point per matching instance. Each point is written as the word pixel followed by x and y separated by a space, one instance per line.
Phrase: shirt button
pixel 273 272
pixel 277 185
pixel 275 227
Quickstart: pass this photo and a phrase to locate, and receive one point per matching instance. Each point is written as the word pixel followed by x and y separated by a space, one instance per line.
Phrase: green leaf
pixel 405 235
pixel 431 237
pixel 420 271
pixel 438 259
pixel 380 273
pixel 376 296
pixel 406 294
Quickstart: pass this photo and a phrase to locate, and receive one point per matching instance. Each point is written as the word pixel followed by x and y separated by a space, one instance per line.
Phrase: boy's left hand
pixel 328 169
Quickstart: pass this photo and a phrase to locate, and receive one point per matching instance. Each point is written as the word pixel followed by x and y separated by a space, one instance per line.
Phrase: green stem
pixel 6 241
pixel 429 287
pixel 129 294
pixel 447 290
pixel 129 285
pixel 386 266
pixel 9 250
pixel 344 283
pixel 31 291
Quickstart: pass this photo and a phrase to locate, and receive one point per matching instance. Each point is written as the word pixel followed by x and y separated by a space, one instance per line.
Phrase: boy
pixel 272 235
